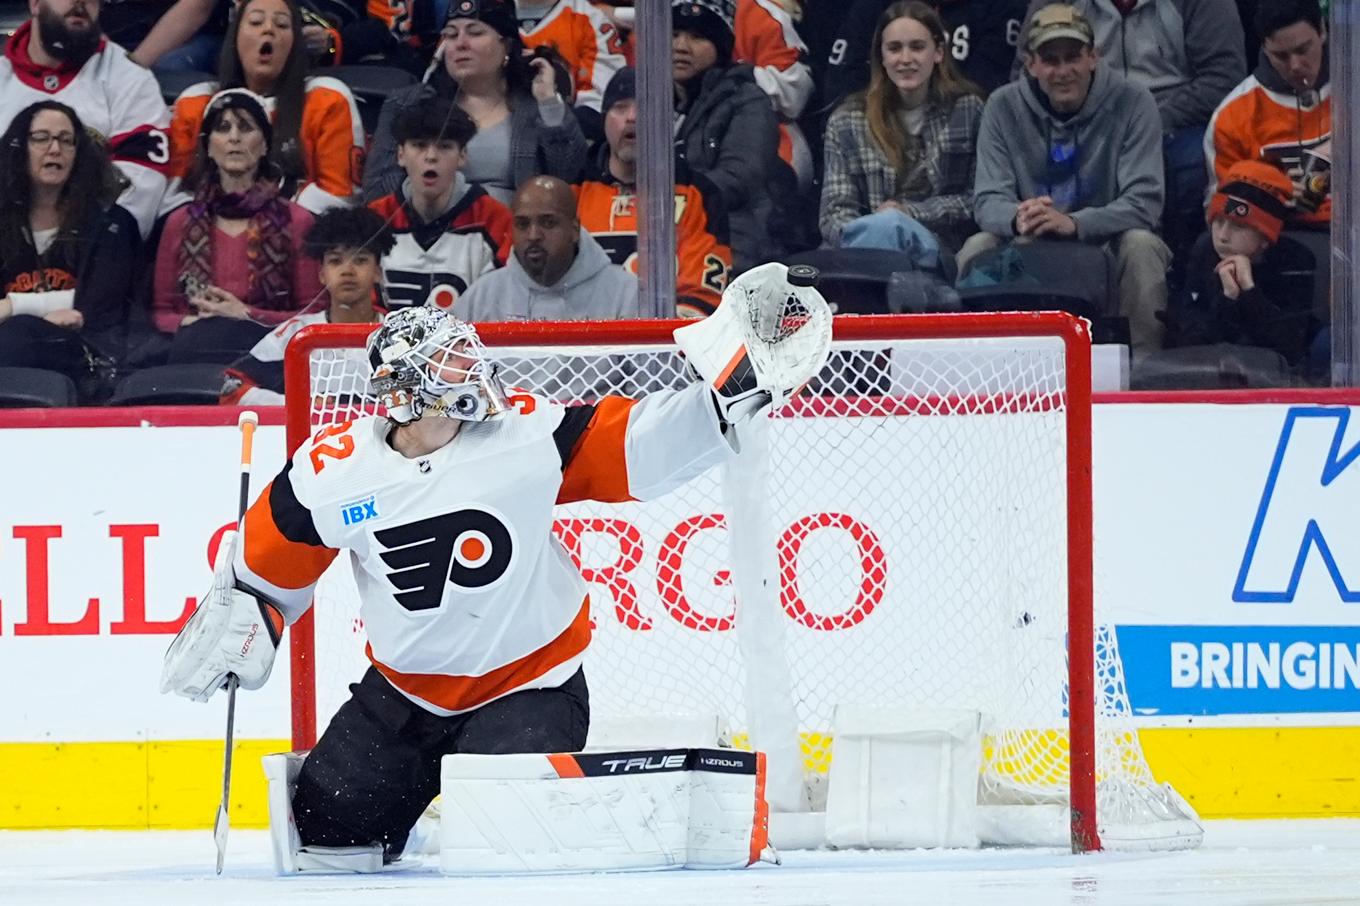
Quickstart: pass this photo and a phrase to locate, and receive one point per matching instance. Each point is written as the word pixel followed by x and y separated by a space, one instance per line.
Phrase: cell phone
pixel 191 286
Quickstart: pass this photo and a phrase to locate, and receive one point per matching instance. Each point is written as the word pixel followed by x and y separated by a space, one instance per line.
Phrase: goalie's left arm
pixel 621 449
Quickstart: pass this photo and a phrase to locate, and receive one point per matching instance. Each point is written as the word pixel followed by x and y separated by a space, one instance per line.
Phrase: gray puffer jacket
pixel 727 139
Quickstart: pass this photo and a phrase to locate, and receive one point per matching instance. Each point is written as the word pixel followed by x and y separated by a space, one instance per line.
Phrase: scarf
pixel 268 248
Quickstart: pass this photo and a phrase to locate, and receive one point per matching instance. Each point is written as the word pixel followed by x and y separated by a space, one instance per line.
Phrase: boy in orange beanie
pixel 1244 284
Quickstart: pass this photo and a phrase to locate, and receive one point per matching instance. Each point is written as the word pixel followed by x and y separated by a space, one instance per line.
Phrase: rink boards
pixel 1226 548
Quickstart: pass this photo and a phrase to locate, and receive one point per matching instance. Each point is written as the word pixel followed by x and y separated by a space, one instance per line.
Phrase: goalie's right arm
pixel 231 632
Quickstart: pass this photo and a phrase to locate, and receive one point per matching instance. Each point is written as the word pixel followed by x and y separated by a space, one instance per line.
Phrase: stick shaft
pixel 222 823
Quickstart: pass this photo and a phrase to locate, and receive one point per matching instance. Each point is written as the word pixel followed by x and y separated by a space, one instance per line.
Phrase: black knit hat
pixel 622 87
pixel 711 19
pixel 499 14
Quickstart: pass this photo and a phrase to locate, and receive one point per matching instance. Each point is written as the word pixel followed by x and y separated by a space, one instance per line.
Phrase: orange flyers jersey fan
pixel 610 214
pixel 587 40
pixel 332 140
pixel 1261 119
pixel 465 592
pixel 765 38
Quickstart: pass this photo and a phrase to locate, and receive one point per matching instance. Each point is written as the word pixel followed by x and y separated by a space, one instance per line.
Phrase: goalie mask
pixel 427 362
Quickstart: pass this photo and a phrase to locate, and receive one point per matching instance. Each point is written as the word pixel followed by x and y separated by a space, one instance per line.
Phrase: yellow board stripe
pixel 1225 772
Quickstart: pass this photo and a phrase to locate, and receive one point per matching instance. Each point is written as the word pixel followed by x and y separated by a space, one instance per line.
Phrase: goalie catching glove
pixel 768 338
pixel 232 631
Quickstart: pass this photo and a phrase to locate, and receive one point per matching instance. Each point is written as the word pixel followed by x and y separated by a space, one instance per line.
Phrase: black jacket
pixel 727 141
pixel 1277 313
pixel 102 264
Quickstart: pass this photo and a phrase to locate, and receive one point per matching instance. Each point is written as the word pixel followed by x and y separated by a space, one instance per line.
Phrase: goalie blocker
pixel 604 811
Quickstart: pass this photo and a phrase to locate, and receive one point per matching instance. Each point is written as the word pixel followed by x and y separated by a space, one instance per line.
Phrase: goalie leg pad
pixel 290 856
pixel 611 811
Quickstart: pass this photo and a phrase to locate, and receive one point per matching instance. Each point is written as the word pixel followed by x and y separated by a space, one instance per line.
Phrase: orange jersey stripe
pixel 598 466
pixel 272 556
pixel 463 693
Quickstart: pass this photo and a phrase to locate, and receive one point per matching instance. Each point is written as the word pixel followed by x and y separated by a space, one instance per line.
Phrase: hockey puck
pixel 803 275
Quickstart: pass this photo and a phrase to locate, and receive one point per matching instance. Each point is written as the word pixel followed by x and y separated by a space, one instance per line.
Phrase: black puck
pixel 803 275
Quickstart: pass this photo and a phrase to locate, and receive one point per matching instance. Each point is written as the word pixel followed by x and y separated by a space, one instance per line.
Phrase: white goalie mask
pixel 424 361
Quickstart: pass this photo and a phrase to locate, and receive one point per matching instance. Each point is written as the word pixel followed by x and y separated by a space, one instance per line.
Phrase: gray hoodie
pixel 592 289
pixel 1117 136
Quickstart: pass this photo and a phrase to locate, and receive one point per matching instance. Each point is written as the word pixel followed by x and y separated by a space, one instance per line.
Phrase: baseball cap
pixel 1059 20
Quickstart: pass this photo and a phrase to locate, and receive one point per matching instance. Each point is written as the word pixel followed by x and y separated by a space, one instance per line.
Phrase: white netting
pixel 918 500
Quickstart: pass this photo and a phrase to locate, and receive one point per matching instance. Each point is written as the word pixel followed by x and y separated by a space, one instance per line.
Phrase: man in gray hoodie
pixel 1189 54
pixel 1073 151
pixel 557 272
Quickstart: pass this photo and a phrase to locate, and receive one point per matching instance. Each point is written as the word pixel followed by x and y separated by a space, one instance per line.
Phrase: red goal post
pixel 870 342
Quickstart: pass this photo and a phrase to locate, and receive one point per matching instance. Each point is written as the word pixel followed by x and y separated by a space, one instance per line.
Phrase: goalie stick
pixel 222 824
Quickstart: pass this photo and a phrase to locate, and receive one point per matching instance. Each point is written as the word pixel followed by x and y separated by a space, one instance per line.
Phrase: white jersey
pixel 465 593
pixel 256 379
pixel 115 98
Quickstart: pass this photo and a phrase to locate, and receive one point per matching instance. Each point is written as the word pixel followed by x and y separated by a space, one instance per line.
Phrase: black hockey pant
pixel 376 767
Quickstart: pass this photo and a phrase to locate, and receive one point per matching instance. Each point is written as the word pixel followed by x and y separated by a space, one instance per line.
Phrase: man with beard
pixel 61 54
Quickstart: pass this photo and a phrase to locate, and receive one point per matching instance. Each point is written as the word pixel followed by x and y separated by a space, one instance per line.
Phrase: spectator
pixel 185 35
pixel 980 34
pixel 354 31
pixel 69 255
pixel 607 205
pixel 900 155
pixel 587 40
pixel 557 273
pixel 230 264
pixel 60 55
pixel 726 134
pixel 1188 53
pixel 348 244
pixel 1283 110
pixel 765 38
pixel 524 127
pixel 448 232
pixel 319 142
pixel 1246 284
pixel 1073 152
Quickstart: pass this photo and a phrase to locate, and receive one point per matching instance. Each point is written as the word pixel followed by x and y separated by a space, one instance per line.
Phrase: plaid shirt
pixel 859 177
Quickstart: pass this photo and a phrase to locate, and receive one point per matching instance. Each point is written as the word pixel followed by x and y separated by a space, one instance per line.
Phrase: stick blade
pixel 220 828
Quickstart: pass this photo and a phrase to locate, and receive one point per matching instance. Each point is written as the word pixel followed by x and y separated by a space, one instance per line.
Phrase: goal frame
pixel 1076 338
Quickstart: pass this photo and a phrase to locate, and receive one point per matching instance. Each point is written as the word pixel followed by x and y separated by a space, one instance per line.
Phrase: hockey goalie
pixel 476 617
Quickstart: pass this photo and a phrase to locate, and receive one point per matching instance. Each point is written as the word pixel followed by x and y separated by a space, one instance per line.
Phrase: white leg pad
pixel 904 778
pixel 617 811
pixel 290 856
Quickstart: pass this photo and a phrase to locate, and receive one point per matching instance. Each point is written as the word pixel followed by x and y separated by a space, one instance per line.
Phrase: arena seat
pixel 35 388
pixel 856 281
pixel 370 86
pixel 1222 366
pixel 170 385
pixel 174 82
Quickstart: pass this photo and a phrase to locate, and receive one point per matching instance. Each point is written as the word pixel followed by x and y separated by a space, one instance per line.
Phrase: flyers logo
pixel 470 549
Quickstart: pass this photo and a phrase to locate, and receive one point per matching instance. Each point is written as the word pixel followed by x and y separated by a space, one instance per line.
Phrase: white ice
pixel 1241 862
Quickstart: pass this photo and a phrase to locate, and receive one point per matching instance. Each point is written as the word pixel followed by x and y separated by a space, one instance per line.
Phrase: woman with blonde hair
pixel 900 155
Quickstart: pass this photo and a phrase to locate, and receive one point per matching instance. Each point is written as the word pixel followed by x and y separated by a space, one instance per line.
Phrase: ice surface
pixel 1241 862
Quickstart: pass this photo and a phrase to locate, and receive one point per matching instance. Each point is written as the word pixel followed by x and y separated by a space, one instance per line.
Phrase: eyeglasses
pixel 66 140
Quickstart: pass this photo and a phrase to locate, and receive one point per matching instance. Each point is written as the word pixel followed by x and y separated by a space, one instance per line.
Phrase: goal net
pixel 914 532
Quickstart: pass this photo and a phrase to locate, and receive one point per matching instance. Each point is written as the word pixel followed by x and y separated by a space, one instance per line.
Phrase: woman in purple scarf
pixel 230 265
